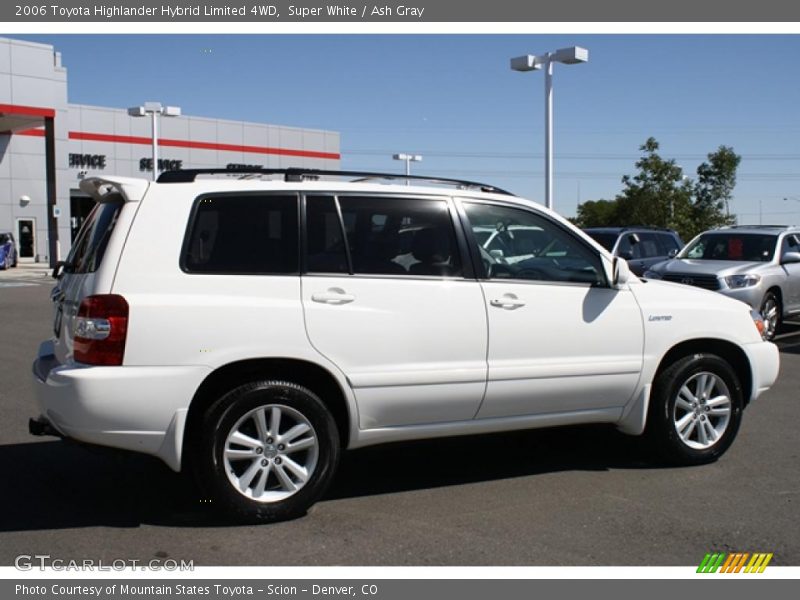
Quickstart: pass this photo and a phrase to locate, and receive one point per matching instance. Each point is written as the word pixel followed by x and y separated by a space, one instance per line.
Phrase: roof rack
pixel 758 227
pixel 295 174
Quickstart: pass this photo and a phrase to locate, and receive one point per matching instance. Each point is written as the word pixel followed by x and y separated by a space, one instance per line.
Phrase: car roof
pixel 756 229
pixel 619 230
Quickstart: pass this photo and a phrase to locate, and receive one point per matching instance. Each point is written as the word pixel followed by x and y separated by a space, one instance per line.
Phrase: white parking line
pixel 12 284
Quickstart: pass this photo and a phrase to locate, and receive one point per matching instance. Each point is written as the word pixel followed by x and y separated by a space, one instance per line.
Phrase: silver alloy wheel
pixel 702 410
pixel 270 453
pixel 769 312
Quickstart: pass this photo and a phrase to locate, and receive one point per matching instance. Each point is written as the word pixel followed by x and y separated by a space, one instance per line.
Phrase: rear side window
pixel 384 236
pixel 245 234
pixel 90 245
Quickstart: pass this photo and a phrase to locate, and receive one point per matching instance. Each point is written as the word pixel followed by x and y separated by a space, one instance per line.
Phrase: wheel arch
pixel 726 350
pixel 302 372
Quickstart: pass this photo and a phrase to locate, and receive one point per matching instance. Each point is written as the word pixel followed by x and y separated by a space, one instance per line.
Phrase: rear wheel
pixel 771 312
pixel 695 410
pixel 268 451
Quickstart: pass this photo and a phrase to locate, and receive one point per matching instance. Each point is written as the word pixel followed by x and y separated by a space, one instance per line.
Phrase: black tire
pixel 772 313
pixel 234 411
pixel 667 411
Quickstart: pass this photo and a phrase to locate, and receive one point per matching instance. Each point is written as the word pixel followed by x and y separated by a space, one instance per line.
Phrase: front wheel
pixel 695 410
pixel 268 451
pixel 771 313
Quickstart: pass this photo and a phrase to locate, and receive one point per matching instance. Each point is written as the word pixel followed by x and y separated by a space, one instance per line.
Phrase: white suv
pixel 251 328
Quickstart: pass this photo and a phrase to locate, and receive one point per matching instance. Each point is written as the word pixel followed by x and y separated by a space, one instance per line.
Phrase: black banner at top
pixel 430 11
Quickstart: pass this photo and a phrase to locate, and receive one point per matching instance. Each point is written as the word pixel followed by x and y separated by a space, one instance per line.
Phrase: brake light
pixel 100 330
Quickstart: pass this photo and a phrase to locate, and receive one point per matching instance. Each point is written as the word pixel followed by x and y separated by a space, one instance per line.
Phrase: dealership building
pixel 47 145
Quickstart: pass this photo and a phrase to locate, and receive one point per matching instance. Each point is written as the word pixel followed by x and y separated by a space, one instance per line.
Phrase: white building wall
pixel 257 144
pixel 31 75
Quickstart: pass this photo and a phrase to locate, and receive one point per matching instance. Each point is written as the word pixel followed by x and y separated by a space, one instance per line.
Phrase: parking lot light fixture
pixel 531 62
pixel 408 158
pixel 154 109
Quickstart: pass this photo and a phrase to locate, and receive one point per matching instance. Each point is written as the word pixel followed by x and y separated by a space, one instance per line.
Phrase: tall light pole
pixel 408 158
pixel 530 62
pixel 154 109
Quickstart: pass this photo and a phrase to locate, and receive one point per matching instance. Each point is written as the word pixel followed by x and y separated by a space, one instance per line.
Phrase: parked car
pixel 641 246
pixel 757 264
pixel 8 250
pixel 272 327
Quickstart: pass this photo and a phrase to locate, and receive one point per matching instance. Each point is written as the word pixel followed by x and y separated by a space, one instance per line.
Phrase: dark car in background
pixel 641 246
pixel 8 250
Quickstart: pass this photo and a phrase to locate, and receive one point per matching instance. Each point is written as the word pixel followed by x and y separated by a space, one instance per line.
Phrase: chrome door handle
pixel 507 301
pixel 333 296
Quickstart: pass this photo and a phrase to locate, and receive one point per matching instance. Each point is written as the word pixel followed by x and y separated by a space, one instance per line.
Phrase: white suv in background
pixel 251 329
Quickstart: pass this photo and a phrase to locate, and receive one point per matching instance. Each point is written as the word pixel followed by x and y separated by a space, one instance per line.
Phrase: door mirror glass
pixel 621 272
pixel 672 253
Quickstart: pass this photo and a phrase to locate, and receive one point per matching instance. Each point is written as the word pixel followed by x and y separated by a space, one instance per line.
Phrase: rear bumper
pixel 142 409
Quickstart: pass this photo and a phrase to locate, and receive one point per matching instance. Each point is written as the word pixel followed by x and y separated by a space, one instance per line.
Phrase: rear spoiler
pixel 102 188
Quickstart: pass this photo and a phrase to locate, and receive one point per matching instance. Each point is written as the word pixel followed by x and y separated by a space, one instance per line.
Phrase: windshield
pixel 744 247
pixel 606 240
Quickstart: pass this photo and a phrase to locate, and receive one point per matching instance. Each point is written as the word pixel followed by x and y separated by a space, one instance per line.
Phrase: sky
pixel 454 100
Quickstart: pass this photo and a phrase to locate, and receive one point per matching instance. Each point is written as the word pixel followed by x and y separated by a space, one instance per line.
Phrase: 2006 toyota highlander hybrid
pixel 249 328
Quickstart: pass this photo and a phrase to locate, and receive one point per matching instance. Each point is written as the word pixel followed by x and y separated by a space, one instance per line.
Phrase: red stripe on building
pixel 165 142
pixel 31 132
pixel 27 111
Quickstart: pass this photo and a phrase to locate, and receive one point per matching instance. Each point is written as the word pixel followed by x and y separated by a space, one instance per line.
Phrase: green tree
pixel 658 194
pixel 597 213
pixel 714 189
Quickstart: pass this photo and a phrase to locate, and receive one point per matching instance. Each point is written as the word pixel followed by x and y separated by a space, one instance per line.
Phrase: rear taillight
pixel 100 330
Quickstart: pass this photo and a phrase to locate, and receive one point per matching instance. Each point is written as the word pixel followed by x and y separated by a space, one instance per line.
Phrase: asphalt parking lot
pixel 571 496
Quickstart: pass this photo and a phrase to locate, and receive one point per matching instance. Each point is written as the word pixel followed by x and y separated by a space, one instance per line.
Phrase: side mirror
pixel 620 272
pixel 790 257
pixel 672 253
pixel 58 269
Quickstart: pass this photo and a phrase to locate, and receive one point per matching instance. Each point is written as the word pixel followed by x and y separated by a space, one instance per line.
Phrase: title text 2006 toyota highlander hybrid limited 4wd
pixel 249 330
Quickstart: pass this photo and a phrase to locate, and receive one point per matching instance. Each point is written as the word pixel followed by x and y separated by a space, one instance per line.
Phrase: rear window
pixel 244 234
pixel 90 245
